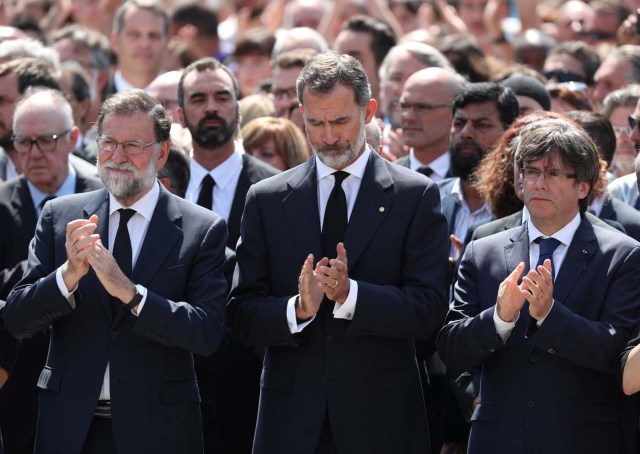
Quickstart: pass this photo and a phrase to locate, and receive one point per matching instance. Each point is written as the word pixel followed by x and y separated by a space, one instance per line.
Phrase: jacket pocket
pixel 179 392
pixel 50 379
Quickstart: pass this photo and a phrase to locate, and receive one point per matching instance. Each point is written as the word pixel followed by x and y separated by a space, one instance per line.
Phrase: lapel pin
pixel 585 252
pixel 381 209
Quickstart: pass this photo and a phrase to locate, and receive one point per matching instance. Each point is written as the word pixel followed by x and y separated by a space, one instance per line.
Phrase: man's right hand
pixel 79 245
pixel 510 297
pixel 309 289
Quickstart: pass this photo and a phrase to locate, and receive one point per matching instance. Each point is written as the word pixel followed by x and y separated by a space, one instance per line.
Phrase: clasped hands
pixel 536 287
pixel 330 277
pixel 84 250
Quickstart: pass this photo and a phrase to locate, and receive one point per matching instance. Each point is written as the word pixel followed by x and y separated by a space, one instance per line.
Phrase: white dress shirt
pixel 120 83
pixel 439 166
pixel 565 236
pixel 137 226
pixel 225 175
pixel 350 186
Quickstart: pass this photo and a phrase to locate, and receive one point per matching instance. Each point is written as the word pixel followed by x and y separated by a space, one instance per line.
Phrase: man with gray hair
pixel 340 371
pixel 620 68
pixel 44 135
pixel 129 282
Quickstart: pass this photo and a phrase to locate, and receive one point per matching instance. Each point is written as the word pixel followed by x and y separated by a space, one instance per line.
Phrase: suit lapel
pixel 582 248
pixel 245 181
pixel 607 211
pixel 100 207
pixel 23 205
pixel 301 210
pixel 515 252
pixel 372 206
pixel 449 208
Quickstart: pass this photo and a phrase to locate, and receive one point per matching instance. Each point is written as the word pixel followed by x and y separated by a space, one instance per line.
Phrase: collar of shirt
pixel 564 235
pixel 351 184
pixel 120 83
pixel 222 174
pixel 456 192
pixel 68 187
pixel 144 207
pixel 440 165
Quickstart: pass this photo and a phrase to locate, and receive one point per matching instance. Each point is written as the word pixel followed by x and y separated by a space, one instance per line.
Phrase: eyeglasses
pixel 44 143
pixel 531 174
pixel 132 148
pixel 633 123
pixel 563 75
pixel 285 92
pixel 420 107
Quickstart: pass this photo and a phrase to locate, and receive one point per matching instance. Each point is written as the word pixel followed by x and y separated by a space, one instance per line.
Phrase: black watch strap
pixel 135 301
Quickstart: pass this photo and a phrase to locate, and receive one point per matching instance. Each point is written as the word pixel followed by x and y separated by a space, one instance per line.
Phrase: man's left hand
pixel 538 288
pixel 110 275
pixel 335 277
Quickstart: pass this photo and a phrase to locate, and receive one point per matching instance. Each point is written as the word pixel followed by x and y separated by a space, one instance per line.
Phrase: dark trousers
pixel 100 438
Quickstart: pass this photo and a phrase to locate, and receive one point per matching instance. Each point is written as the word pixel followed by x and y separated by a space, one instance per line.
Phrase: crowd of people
pixel 355 226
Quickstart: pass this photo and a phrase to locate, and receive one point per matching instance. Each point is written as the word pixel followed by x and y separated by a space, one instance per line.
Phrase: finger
pixel 342 252
pixel 515 274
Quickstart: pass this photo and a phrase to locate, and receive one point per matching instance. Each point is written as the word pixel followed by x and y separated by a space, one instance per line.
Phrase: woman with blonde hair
pixel 276 141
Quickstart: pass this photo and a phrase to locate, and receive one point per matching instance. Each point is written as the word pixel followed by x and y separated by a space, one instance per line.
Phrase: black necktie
pixel 45 200
pixel 426 171
pixel 335 216
pixel 122 250
pixel 547 246
pixel 205 198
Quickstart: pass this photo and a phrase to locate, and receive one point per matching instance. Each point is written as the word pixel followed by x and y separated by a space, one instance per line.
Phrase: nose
pixel 118 154
pixel 467 131
pixel 329 136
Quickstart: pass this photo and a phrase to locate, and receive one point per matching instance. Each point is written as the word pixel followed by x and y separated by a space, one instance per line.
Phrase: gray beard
pixel 343 155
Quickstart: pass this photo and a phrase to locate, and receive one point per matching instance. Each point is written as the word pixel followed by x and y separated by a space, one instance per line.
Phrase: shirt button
pixel 531 403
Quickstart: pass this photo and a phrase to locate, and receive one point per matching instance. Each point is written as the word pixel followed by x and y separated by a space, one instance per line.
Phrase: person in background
pixel 276 141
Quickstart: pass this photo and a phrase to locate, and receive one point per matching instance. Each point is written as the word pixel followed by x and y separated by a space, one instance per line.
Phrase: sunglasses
pixel 633 123
pixel 563 75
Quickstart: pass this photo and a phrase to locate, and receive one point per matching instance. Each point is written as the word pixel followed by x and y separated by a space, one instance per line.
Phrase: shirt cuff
pixel 68 295
pixel 348 308
pixel 504 328
pixel 539 322
pixel 292 321
pixel 143 291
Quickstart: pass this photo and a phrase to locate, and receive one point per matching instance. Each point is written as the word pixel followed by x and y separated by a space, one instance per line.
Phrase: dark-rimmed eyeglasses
pixel 420 107
pixel 633 123
pixel 131 148
pixel 46 143
pixel 563 75
pixel 532 174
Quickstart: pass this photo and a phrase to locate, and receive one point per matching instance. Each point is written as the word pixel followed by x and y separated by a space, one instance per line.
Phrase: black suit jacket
pixel 154 393
pixel 618 211
pixel 363 371
pixel 253 170
pixel 18 399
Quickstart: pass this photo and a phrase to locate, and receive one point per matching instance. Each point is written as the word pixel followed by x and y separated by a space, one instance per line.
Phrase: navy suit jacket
pixel 154 393
pixel 362 371
pixel 554 390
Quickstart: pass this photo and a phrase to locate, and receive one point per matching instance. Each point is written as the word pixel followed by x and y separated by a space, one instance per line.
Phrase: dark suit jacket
pixel 154 393
pixel 253 170
pixel 630 404
pixel 553 390
pixel 362 371
pixel 403 161
pixel 19 397
pixel 626 215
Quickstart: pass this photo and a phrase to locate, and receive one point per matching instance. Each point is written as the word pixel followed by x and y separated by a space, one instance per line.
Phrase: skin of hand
pixel 79 244
pixel 4 376
pixel 334 279
pixel 109 273
pixel 510 296
pixel 537 287
pixel 310 294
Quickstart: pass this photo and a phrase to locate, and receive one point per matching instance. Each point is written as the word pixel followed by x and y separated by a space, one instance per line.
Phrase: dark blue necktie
pixel 547 246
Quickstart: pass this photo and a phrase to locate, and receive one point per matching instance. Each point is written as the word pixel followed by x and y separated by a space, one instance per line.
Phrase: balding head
pixel 165 89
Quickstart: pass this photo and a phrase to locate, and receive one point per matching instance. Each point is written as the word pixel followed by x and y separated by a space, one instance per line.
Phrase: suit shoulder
pixel 193 211
pixel 614 239
pixel 256 169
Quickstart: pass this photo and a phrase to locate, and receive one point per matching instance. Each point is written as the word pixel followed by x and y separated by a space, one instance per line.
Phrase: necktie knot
pixel 426 171
pixel 340 176
pixel 547 246
pixel 125 215
pixel 46 199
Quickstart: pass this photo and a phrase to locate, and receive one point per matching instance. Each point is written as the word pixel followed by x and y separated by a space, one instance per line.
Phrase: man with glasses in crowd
pixel 129 281
pixel 625 188
pixel 44 136
pixel 545 309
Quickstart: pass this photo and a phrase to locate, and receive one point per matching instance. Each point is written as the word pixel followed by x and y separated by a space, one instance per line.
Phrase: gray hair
pixel 129 102
pixel 303 34
pixel 27 47
pixel 557 137
pixel 329 69
pixel 623 97
pixel 428 55
pixel 630 53
pixel 57 97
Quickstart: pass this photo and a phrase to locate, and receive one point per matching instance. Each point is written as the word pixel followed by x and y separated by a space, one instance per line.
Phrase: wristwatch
pixel 136 299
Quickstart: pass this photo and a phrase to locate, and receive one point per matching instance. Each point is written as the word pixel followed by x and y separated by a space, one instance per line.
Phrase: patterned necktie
pixel 547 246
pixel 335 216
pixel 205 198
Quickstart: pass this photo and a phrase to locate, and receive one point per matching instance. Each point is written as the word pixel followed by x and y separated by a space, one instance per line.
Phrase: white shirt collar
pixel 121 83
pixel 145 206
pixel 564 235
pixel 221 174
pixel 440 165
pixel 356 168
pixel 67 187
pixel 456 191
